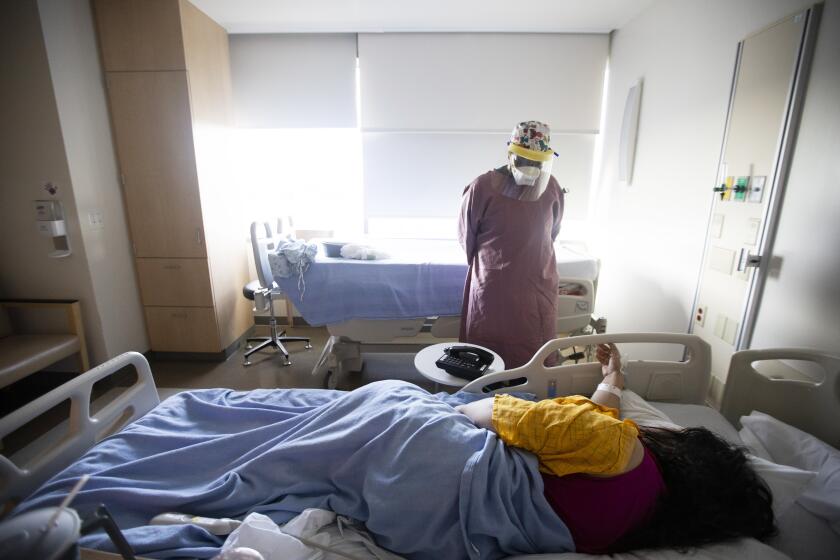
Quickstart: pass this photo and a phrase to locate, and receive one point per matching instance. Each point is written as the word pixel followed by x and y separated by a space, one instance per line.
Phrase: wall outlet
pixel 700 316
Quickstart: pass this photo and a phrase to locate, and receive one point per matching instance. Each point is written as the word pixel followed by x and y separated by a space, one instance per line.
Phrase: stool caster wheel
pixel 308 346
pixel 246 363
pixel 288 363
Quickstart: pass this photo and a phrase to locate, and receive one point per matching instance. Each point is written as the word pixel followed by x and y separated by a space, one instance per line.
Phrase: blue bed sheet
pixel 424 480
pixel 419 279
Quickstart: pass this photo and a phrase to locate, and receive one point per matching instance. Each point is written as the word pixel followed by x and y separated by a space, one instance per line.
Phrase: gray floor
pixel 268 372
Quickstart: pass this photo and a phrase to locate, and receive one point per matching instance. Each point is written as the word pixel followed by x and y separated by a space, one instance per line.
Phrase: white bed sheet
pixel 690 415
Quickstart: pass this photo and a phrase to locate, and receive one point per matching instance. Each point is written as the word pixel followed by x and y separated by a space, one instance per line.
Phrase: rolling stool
pixel 256 293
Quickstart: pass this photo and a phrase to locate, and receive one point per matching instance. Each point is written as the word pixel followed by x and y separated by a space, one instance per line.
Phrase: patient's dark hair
pixel 711 493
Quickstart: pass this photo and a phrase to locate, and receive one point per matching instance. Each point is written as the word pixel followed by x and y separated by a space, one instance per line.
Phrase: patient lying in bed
pixel 617 486
pixel 426 480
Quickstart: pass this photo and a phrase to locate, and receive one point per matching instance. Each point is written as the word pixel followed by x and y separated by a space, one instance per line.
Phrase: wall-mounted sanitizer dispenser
pixel 49 218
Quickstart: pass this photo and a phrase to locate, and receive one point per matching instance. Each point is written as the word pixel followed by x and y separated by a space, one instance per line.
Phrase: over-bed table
pixel 221 422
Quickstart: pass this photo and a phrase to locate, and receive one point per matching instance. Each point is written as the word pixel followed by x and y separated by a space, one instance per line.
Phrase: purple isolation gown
pixel 510 294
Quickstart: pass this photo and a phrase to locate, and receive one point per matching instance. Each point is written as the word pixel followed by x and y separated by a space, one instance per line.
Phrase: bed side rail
pixel 671 381
pixel 84 430
pixel 810 404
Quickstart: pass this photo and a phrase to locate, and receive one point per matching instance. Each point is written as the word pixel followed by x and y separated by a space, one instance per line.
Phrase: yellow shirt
pixel 568 434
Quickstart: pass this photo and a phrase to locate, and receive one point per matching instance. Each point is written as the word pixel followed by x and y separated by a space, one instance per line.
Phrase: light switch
pixel 751 234
pixel 721 259
pixel 720 325
pixel 717 226
pixel 730 331
pixel 95 219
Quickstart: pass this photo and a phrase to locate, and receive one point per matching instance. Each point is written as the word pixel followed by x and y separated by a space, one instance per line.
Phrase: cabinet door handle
pixel 198 236
pixel 172 266
pixel 178 315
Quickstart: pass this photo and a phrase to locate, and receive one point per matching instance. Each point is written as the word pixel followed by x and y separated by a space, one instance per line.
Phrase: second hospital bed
pixel 675 388
pixel 412 297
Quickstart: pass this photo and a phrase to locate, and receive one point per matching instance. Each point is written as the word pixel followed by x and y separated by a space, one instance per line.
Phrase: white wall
pixel 31 154
pixel 83 113
pixel 294 81
pixel 651 234
pixel 55 128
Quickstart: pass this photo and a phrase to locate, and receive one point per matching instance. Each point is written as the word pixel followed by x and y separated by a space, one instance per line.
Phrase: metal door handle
pixel 747 260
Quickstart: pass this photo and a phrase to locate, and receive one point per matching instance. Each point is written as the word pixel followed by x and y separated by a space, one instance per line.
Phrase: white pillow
pixel 785 482
pixel 637 409
pixel 791 446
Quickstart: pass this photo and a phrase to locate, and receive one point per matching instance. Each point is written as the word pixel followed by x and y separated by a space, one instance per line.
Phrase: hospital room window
pixel 435 115
pixel 297 142
pixel 311 175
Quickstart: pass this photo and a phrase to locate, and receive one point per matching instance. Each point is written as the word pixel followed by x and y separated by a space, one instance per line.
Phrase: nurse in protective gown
pixel 509 219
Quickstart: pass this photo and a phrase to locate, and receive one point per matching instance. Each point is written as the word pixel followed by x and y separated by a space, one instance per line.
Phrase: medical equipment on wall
pixel 49 218
pixel 629 133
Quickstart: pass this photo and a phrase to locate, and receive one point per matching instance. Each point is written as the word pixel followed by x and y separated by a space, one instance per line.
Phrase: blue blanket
pixel 422 478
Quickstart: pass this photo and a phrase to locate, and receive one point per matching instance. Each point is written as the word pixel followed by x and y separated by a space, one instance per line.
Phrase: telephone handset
pixel 466 362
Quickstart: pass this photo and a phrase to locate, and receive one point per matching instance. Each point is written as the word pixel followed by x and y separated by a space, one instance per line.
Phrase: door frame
pixel 781 168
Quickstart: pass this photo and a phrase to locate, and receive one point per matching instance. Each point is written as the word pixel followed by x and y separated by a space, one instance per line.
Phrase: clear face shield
pixel 530 176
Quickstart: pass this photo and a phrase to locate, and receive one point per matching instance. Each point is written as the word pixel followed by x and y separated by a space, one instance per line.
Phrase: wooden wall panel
pixel 136 35
pixel 150 113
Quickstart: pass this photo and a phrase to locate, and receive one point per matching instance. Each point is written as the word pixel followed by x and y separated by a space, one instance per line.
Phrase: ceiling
pixel 337 16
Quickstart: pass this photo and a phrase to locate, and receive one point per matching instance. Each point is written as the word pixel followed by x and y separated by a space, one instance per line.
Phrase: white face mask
pixel 525 176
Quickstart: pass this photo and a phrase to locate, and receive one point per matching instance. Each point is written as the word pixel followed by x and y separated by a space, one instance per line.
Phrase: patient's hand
pixel 479 412
pixel 610 359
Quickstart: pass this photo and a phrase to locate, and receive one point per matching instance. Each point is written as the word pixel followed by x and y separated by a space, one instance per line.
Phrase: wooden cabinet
pixel 150 116
pixel 175 282
pixel 167 71
pixel 182 329
pixel 137 35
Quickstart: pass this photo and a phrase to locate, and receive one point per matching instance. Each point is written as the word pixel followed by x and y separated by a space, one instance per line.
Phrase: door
pixel 150 112
pixel 763 114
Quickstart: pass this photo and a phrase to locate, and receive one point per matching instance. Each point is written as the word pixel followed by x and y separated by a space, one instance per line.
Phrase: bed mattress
pixel 420 278
pixel 693 415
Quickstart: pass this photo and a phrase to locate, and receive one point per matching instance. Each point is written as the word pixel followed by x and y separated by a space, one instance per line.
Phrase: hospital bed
pixel 412 297
pixel 675 388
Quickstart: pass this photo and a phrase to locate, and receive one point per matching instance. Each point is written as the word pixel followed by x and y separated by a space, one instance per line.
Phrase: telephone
pixel 466 362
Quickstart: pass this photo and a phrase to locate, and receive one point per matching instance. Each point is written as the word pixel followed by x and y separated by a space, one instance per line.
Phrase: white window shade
pixel 481 81
pixel 294 81
pixel 423 175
